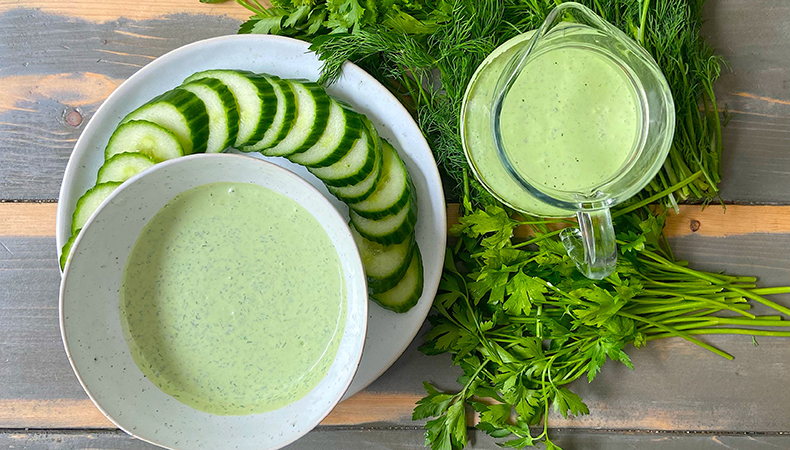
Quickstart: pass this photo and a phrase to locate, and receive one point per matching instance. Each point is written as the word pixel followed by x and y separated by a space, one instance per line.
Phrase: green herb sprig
pixel 523 323
pixel 408 44
pixel 516 316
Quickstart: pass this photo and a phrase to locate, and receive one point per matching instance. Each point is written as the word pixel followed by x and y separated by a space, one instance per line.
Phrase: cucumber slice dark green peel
pixel 269 105
pixel 384 264
pixel 393 188
pixel 284 116
pixel 66 250
pixel 223 114
pixel 148 138
pixel 392 229
pixel 312 115
pixel 362 189
pixel 321 156
pixel 408 291
pixel 341 173
pixel 123 166
pixel 89 202
pixel 256 101
pixel 181 112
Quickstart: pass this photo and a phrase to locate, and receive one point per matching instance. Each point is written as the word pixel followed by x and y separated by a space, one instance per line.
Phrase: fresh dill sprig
pixel 426 51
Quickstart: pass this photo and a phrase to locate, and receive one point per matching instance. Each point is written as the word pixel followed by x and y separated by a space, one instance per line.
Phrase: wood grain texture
pixel 51 65
pixel 328 438
pixel 38 219
pixel 27 219
pixel 57 57
pixel 99 11
pixel 716 221
pixel 363 408
pixel 713 221
pixel 676 386
pixel 68 43
pixel 752 37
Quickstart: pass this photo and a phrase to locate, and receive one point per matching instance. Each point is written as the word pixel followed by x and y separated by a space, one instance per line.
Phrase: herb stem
pixel 656 197
pixel 724 331
pixel 674 332
pixel 537 239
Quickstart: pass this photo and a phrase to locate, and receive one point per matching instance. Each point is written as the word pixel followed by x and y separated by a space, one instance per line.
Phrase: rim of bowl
pixel 283 172
pixel 72 167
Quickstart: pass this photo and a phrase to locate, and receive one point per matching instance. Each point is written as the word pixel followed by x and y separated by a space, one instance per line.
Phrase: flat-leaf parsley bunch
pixel 523 323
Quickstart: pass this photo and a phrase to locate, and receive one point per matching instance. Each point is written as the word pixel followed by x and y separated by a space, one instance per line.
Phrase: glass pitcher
pixel 582 119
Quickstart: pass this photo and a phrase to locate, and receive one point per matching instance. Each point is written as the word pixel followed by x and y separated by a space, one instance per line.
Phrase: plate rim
pixel 429 171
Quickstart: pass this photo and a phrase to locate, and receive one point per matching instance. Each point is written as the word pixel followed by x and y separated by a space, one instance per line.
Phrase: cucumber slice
pixel 257 102
pixel 312 115
pixel 356 165
pixel 223 117
pixel 123 166
pixel 361 190
pixel 284 117
pixel 392 189
pixel 391 229
pixel 148 138
pixel 408 291
pixel 384 264
pixel 342 130
pixel 66 250
pixel 89 202
pixel 181 112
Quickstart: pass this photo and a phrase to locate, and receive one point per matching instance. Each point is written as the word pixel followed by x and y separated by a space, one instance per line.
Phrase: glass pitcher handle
pixel 592 246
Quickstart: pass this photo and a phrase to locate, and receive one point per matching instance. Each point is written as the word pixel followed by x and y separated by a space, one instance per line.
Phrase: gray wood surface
pixel 35 143
pixel 753 38
pixel 325 438
pixel 676 386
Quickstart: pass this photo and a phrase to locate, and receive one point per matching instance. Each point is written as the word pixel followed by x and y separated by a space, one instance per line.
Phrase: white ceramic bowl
pixel 91 327
pixel 390 333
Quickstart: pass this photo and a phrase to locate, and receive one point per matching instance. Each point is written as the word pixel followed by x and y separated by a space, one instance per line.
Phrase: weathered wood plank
pixel 51 65
pixel 676 386
pixel 328 438
pixel 38 219
pixel 713 221
pixel 752 37
pixel 27 219
pixel 108 10
pixel 67 45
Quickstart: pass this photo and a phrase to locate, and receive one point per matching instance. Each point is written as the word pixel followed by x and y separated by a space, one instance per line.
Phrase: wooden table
pixel 59 60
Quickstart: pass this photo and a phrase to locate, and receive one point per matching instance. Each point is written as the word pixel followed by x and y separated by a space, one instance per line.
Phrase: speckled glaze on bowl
pixel 390 333
pixel 91 327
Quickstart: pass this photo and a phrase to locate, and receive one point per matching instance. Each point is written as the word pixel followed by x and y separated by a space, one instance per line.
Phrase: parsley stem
pixel 715 280
pixel 673 332
pixel 658 196
pixel 689 312
pixel 698 304
pixel 546 221
pixel 762 300
pixel 762 321
pixel 537 239
pixel 724 331
pixel 707 300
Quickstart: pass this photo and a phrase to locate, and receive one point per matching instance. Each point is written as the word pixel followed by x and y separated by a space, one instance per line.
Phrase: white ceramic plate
pixel 91 328
pixel 388 333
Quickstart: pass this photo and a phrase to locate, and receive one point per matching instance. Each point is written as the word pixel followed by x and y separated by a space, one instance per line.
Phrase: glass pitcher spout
pixel 581 119
pixel 593 245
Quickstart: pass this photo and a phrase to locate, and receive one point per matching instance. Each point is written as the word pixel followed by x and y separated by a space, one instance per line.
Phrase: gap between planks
pixel 38 219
